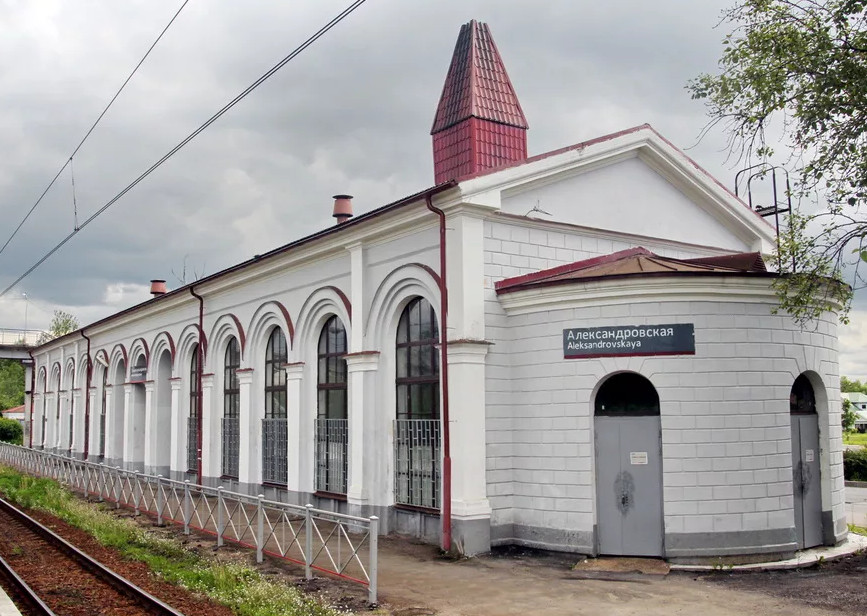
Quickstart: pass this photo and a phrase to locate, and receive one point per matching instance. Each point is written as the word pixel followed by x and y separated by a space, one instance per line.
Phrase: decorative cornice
pixel 633 290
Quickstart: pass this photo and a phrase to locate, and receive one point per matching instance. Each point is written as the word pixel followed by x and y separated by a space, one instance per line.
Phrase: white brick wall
pixel 725 416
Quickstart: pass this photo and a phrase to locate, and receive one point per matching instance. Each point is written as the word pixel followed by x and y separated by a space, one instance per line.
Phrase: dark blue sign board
pixel 629 340
pixel 138 374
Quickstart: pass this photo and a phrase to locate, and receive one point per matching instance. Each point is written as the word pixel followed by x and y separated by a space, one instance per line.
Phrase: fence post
pixel 308 541
pixel 159 500
pixel 187 513
pixel 260 529
pixel 103 489
pixel 118 488
pixel 372 564
pixel 220 516
pixel 135 492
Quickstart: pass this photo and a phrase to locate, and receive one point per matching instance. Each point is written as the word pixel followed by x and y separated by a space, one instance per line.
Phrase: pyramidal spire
pixel 479 123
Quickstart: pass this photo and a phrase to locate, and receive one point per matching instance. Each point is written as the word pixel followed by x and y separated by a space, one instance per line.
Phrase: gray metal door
pixel 629 485
pixel 807 482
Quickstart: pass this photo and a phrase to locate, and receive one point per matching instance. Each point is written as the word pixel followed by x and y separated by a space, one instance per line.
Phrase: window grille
pixel 231 410
pixel 332 434
pixel 193 416
pixel 417 456
pixel 274 426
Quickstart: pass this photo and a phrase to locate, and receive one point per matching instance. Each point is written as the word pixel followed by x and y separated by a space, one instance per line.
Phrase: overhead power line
pixel 295 52
pixel 90 130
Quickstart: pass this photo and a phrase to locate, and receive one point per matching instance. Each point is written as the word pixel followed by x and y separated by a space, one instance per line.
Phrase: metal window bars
pixel 231 446
pixel 192 444
pixel 417 462
pixel 275 450
pixel 323 541
pixel 102 435
pixel 332 438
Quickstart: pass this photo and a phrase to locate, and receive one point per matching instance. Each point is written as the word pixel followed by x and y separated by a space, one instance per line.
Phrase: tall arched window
pixel 102 413
pixel 231 409
pixel 193 414
pixel 56 436
pixel 44 410
pixel 417 427
pixel 331 422
pixel 274 426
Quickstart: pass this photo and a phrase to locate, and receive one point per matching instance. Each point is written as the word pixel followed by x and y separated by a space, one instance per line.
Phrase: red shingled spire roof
pixel 479 123
pixel 477 84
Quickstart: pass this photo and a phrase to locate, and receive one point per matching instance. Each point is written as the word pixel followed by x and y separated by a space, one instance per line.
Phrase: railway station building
pixel 575 351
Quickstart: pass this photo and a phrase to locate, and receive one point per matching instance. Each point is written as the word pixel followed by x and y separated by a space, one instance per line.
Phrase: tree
pixel 11 384
pixel 800 66
pixel 849 416
pixel 848 385
pixel 61 324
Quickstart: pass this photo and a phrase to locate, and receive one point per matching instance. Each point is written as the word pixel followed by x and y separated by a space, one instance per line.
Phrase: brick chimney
pixel 479 123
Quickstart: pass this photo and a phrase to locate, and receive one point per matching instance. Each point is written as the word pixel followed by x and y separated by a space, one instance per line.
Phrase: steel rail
pixel 21 594
pixel 123 585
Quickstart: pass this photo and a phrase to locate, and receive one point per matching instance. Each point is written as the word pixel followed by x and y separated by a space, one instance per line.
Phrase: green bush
pixel 855 465
pixel 10 431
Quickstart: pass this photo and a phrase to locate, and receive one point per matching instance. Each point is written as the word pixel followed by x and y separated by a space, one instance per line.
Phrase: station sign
pixel 629 340
pixel 138 374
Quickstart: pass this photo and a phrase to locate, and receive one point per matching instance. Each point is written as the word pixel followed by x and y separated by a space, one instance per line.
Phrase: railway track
pixel 53 576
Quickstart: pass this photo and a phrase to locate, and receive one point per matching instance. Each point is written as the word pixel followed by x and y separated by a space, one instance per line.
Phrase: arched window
pixel 331 423
pixel 417 426
pixel 418 367
pixel 193 415
pixel 231 409
pixel 627 394
pixel 276 354
pixel 44 410
pixel 274 425
pixel 802 400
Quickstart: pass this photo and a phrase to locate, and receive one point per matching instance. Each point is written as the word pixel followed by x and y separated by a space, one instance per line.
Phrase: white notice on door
pixel 808 455
pixel 638 457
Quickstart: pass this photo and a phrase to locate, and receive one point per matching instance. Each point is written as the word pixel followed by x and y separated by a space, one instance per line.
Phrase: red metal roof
pixel 477 84
pixel 635 262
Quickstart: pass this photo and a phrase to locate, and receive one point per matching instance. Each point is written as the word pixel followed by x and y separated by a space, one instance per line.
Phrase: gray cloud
pixel 351 114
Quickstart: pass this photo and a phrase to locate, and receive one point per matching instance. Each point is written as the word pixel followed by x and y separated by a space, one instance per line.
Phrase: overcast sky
pixel 351 114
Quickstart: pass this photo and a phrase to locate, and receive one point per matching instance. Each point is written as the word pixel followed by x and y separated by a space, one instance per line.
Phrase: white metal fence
pixel 333 543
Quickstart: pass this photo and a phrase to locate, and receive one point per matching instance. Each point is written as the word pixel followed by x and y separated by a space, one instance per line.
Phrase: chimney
pixel 479 123
pixel 342 208
pixel 158 287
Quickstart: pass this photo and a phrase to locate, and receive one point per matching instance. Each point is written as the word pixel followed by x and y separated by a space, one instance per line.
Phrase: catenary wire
pixel 93 126
pixel 295 52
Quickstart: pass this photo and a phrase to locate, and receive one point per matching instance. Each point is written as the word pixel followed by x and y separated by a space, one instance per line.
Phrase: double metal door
pixel 629 485
pixel 807 482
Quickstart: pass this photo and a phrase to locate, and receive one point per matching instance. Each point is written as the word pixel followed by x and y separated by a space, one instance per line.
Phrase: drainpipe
pixel 87 398
pixel 199 367
pixel 444 372
pixel 32 391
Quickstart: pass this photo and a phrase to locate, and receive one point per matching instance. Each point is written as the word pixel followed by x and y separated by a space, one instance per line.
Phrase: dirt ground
pixel 414 580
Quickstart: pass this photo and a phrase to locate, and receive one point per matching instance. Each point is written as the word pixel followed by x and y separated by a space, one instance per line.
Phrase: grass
pixel 237 586
pixel 855 438
pixel 861 530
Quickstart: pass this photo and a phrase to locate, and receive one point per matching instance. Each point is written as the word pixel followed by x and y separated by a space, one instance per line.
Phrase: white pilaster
pixel 178 458
pixel 128 423
pixel 356 296
pixel 77 410
pixel 465 276
pixel 251 432
pixel 110 422
pixel 467 429
pixel 92 425
pixel 211 441
pixel 150 434
pixel 360 368
pixel 294 379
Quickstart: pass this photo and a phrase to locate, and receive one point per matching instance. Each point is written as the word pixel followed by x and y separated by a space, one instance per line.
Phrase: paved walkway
pixel 7 608
pixel 856 506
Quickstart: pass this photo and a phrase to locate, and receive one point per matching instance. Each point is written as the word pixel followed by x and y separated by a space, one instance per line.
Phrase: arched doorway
pixel 115 448
pixel 806 471
pixel 628 467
